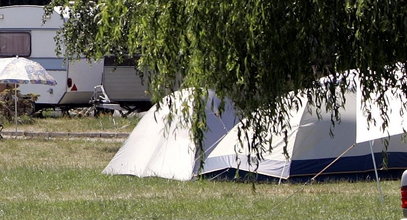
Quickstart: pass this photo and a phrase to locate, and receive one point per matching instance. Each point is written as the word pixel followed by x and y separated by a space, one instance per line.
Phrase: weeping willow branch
pixel 260 54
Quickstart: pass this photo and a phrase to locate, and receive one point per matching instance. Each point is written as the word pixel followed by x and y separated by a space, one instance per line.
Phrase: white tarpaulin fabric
pixel 366 131
pixel 153 149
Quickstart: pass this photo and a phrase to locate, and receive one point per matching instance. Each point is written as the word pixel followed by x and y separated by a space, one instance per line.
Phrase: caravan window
pixel 15 43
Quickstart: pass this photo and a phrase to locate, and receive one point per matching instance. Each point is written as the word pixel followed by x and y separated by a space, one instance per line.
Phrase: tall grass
pixel 61 179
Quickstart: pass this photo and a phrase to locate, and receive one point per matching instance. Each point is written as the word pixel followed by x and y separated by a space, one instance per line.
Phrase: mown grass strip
pixel 105 123
pixel 64 134
pixel 88 194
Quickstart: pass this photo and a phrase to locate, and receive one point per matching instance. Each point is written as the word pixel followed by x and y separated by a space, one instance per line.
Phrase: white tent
pixel 311 148
pixel 153 149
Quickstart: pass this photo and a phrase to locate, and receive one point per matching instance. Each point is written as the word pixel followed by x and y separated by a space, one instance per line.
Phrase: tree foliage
pixel 261 54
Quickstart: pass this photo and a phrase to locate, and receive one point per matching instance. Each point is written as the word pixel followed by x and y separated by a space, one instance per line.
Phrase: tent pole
pixel 282 172
pixel 379 188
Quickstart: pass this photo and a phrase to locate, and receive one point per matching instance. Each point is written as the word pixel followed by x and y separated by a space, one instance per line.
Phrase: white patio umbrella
pixel 18 70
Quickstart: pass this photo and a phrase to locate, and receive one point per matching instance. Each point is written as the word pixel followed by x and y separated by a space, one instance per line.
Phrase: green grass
pixel 104 123
pixel 61 179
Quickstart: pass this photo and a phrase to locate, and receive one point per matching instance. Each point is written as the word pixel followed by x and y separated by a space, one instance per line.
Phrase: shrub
pixel 25 105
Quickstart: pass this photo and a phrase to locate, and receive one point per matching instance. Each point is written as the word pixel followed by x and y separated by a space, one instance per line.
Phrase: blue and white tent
pixel 310 147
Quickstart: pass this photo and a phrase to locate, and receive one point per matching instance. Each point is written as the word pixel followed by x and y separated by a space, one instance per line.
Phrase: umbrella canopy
pixel 18 70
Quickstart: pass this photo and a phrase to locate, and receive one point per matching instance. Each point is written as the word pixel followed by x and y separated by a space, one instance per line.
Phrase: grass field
pixel 61 179
pixel 104 123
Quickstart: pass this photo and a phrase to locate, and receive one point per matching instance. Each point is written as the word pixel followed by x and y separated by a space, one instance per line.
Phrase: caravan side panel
pixel 28 19
pixel 44 53
pixel 124 84
pixel 83 75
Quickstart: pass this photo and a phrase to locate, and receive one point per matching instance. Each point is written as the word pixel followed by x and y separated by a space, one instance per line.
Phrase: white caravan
pixel 23 33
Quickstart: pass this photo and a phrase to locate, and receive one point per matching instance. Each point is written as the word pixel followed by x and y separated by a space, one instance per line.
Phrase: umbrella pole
pixel 15 106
